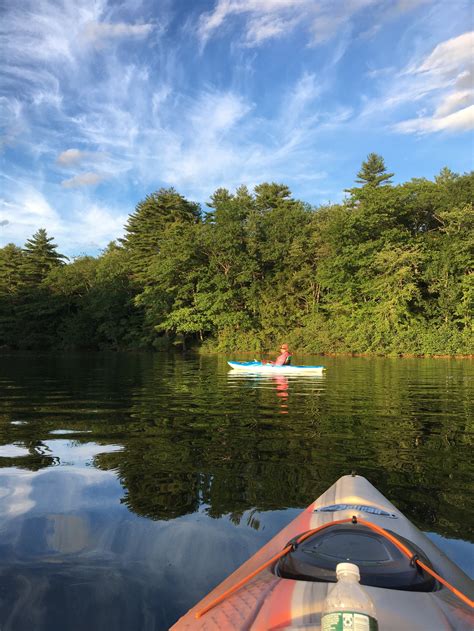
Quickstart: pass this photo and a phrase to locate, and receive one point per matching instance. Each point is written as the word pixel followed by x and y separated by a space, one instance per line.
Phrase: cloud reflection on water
pixel 74 557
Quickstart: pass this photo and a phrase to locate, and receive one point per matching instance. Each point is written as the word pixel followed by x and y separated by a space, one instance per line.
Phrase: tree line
pixel 388 270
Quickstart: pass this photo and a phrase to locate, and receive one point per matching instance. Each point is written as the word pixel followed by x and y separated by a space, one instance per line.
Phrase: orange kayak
pixel 413 585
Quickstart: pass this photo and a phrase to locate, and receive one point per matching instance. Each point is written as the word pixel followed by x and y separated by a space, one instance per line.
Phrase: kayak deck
pixel 259 367
pixel 268 601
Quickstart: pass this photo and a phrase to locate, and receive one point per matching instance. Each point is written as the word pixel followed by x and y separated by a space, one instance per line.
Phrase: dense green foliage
pixel 388 270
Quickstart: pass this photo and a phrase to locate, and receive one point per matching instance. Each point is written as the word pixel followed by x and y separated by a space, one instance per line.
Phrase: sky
pixel 105 101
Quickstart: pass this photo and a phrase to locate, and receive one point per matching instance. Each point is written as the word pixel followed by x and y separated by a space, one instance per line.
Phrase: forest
pixel 387 271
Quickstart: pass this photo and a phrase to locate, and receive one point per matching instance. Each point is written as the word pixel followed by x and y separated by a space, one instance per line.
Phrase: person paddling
pixel 283 358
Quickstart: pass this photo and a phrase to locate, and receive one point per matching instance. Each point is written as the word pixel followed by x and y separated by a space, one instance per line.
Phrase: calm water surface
pixel 131 484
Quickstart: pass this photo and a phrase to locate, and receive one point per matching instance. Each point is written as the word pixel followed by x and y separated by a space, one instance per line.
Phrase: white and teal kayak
pixel 256 366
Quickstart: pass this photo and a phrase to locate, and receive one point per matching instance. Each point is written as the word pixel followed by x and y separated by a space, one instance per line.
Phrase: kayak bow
pixel 413 585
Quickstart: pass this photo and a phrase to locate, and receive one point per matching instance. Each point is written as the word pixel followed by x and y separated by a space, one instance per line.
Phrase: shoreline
pixel 203 351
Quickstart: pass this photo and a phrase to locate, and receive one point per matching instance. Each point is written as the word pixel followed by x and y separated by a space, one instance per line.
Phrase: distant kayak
pixel 270 368
pixel 412 584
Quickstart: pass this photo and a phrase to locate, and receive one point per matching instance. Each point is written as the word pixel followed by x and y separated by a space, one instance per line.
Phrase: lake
pixel 131 484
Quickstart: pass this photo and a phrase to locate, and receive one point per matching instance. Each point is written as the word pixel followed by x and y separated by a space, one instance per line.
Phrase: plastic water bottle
pixel 348 607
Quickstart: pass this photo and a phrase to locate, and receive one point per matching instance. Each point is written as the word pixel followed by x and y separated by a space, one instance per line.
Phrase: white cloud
pixel 58 31
pixel 465 80
pixel 71 157
pixel 95 224
pixel 264 19
pixel 219 142
pixel 264 28
pixel 100 32
pixel 453 102
pixel 435 79
pixel 402 6
pixel 30 209
pixel 323 20
pixel 20 492
pixel 46 30
pixel 15 493
pixel 438 83
pixel 83 179
pixel 459 121
pixel 296 105
pixel 12 121
pixel 159 98
pixel 87 225
pixel 449 56
pixel 49 45
pixel 216 114
pixel 195 143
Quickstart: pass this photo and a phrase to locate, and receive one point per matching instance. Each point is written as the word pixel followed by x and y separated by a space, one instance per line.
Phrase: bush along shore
pixel 388 271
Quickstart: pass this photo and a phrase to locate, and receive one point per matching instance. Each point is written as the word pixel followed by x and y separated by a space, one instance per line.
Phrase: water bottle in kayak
pixel 348 607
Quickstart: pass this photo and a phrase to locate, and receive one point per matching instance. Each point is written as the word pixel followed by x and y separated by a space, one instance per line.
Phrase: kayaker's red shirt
pixel 281 359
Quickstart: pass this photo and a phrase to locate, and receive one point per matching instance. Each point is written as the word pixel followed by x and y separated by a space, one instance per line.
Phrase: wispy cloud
pixel 83 179
pixel 263 19
pixel 88 226
pixel 100 33
pixel 71 157
pixel 102 93
pixel 270 19
pixel 24 210
pixel 462 120
pixel 194 143
pixel 448 56
pixel 441 79
pixel 456 101
pixel 434 91
pixel 12 121
pixel 220 142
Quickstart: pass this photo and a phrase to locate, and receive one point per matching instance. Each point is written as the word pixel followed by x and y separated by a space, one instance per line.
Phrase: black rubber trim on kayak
pixel 380 562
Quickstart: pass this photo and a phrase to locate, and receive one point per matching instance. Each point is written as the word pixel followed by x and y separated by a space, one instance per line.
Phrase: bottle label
pixel 348 621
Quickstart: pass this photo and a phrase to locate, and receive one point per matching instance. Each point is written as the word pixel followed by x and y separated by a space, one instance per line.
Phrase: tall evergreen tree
pixel 372 174
pixel 11 284
pixel 11 263
pixel 41 257
pixel 446 176
pixel 373 171
pixel 270 195
pixel 147 226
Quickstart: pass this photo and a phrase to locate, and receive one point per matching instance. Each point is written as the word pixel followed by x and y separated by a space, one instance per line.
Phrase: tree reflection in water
pixel 187 436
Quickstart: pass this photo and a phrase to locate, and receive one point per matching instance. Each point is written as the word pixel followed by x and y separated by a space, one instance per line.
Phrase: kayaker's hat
pixel 284 346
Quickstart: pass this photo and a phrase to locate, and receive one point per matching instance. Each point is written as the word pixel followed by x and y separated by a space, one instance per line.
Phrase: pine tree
pixel 373 171
pixel 446 176
pixel 40 257
pixel 372 174
pixel 11 283
pixel 11 263
pixel 270 195
pixel 147 226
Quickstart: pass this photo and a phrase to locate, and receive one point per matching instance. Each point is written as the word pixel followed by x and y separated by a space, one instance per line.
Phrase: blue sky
pixel 103 102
